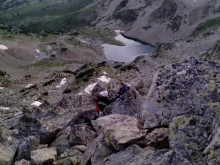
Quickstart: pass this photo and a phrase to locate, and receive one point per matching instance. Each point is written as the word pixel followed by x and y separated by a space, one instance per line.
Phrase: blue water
pixel 127 53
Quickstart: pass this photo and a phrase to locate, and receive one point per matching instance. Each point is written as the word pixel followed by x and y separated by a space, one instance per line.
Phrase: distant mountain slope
pixel 153 21
pixel 159 20
pixel 45 15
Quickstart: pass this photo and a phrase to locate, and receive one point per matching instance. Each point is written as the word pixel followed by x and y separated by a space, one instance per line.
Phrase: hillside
pixel 53 66
pixel 48 15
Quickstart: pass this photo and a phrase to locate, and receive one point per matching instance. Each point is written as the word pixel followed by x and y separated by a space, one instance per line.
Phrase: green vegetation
pixel 84 73
pixel 48 15
pixel 215 22
pixel 105 35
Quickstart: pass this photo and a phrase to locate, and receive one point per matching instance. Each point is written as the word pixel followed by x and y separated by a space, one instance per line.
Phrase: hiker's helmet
pixel 104 93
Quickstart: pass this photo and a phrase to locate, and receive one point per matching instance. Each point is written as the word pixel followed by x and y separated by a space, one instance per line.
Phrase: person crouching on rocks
pixel 101 102
pixel 123 89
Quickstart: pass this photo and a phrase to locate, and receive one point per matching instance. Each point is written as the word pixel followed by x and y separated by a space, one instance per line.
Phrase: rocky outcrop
pixel 189 135
pixel 180 89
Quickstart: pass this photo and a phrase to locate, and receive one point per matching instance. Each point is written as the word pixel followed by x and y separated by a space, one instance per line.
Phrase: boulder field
pixel 175 121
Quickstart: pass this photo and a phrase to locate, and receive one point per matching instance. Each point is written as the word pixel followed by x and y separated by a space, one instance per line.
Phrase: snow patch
pixel 79 94
pixel 5 108
pixel 63 81
pixel 38 51
pixel 1 88
pixel 119 31
pixel 89 88
pixel 36 103
pixel 29 85
pixel 181 72
pixel 83 41
pixel 104 73
pixel 104 79
pixel 3 47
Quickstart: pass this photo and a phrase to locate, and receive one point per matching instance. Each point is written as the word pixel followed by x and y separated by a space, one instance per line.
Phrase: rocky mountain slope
pixel 52 67
pixel 173 120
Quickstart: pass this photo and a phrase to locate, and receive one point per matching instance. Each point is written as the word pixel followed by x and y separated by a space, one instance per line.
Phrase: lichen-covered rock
pixel 179 89
pixel 123 156
pixel 160 157
pixel 211 155
pixel 44 156
pixel 189 135
pixel 119 130
pixel 82 135
pixel 26 146
pixel 97 151
pixel 158 138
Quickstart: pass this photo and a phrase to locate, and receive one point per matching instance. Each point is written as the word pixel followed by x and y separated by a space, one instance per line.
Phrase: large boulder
pixel 82 135
pixel 189 135
pixel 119 130
pixel 123 156
pixel 44 156
pixel 180 89
pixel 96 152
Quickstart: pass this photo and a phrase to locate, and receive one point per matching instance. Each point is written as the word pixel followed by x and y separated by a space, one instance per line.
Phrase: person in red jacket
pixel 101 101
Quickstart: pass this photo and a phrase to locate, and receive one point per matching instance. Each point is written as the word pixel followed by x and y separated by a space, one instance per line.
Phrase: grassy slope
pixel 47 15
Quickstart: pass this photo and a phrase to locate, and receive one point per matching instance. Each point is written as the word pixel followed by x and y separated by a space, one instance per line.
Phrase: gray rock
pixel 70 153
pixel 26 146
pixel 160 157
pixel 189 135
pixel 211 154
pixel 179 89
pixel 158 138
pixel 62 142
pixel 119 130
pixel 128 104
pixel 123 156
pixel 82 135
pixel 80 148
pixel 97 151
pixel 44 156
pixel 8 147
